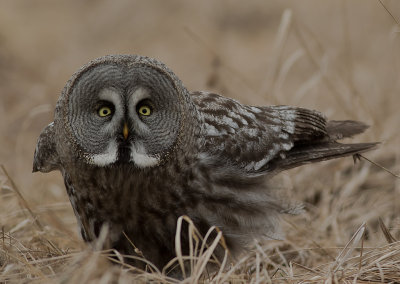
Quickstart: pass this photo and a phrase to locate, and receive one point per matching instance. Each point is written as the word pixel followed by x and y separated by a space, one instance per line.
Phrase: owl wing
pixel 46 158
pixel 273 138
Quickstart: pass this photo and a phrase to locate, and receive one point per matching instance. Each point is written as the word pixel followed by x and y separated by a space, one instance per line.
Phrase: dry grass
pixel 340 57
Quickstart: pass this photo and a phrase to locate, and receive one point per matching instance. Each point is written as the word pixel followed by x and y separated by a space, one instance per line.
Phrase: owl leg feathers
pixel 46 158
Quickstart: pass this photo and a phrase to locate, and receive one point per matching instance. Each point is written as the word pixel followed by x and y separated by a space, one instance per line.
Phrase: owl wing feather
pixel 46 158
pixel 273 138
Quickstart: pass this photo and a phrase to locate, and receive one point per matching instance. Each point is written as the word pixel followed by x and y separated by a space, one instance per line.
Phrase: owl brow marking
pixel 112 96
pixel 138 95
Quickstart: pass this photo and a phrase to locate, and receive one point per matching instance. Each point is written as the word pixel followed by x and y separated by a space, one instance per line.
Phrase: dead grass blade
pixel 390 13
pixel 349 248
pixel 389 238
pixel 378 165
pixel 22 199
pixel 178 246
pixel 27 207
pixel 199 40
pixel 281 37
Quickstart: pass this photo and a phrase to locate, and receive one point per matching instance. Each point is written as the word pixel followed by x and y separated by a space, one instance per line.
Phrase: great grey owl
pixel 137 150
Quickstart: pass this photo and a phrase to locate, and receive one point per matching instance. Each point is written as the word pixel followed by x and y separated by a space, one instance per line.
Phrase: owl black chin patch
pixel 124 152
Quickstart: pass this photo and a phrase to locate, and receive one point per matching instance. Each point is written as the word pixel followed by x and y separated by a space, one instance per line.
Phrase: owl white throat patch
pixel 141 159
pixel 138 156
pixel 109 157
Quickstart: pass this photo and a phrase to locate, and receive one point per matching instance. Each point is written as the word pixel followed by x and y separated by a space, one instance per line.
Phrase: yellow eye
pixel 105 111
pixel 144 110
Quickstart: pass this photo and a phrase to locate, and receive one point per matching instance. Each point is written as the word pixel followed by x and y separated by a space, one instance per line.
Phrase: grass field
pixel 339 57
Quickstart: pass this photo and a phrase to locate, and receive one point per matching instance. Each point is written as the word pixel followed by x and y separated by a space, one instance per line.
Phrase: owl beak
pixel 125 131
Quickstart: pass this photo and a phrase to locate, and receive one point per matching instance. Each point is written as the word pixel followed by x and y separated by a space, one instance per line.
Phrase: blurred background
pixel 339 57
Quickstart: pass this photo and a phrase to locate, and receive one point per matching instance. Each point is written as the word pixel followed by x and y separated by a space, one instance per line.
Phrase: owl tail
pixel 305 152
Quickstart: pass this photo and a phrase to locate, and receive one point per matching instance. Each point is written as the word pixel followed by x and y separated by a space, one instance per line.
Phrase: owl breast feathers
pixel 137 151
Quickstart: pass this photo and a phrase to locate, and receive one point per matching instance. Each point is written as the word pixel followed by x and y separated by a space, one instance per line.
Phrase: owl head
pixel 121 109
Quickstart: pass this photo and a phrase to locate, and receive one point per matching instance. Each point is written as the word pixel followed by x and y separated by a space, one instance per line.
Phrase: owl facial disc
pixel 129 112
pixel 126 148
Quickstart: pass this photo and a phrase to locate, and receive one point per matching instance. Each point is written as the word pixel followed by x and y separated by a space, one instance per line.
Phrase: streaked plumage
pixel 163 153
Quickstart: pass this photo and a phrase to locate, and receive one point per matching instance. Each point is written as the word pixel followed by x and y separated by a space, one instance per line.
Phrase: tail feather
pixel 339 129
pixel 310 150
pixel 305 154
